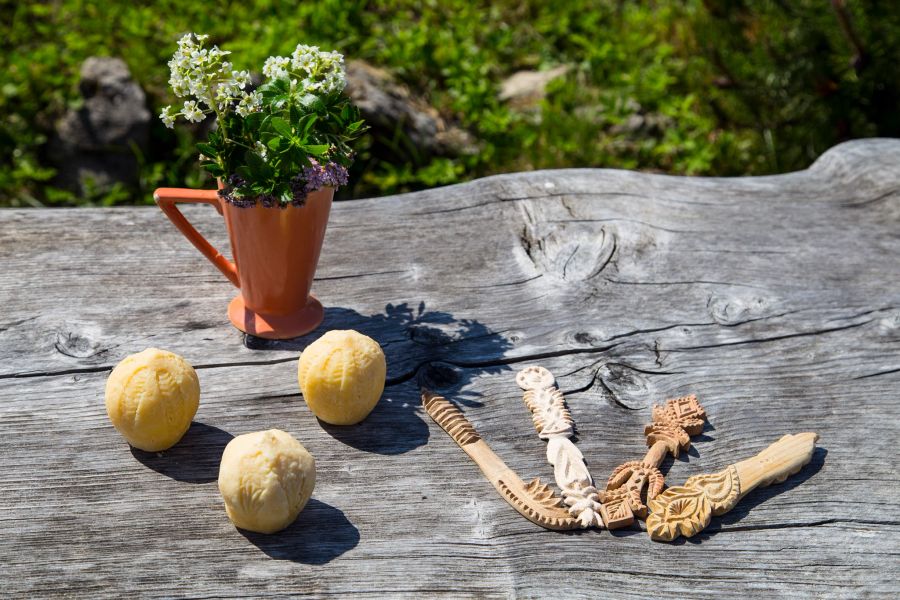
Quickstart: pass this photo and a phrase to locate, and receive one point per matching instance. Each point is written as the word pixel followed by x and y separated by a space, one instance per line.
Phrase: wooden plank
pixel 775 299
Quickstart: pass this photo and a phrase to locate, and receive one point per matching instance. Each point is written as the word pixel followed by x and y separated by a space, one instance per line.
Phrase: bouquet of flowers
pixel 275 143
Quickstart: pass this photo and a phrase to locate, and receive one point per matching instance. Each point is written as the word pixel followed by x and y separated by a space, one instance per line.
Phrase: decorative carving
pixel 535 501
pixel 548 514
pixel 684 412
pixel 671 431
pixel 554 423
pixel 686 510
pixel 450 419
pixel 679 511
pixel 723 489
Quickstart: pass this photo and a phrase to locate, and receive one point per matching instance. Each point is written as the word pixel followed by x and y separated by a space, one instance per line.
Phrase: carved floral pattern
pixel 678 511
pixel 685 510
pixel 554 423
pixel 723 489
pixel 543 508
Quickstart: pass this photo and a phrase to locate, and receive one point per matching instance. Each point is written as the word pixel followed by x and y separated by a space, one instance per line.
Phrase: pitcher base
pixel 276 327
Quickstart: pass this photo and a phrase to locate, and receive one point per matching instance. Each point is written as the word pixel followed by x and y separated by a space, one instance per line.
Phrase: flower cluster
pixel 318 176
pixel 204 74
pixel 276 143
pixel 310 179
pixel 309 69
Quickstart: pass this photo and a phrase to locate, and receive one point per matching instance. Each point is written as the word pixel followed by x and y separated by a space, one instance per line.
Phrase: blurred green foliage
pixel 713 87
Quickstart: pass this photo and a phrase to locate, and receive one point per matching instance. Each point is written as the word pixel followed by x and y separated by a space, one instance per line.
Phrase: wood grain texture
pixel 775 299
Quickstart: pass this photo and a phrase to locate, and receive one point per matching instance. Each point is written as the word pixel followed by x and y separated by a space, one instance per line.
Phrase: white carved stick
pixel 554 423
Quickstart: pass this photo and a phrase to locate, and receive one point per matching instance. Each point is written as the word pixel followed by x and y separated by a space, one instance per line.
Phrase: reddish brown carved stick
pixel 671 431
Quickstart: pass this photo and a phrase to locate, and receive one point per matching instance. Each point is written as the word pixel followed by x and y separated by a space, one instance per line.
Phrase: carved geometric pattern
pixel 534 500
pixel 684 412
pixel 450 419
pixel 616 509
pixel 672 426
pixel 554 423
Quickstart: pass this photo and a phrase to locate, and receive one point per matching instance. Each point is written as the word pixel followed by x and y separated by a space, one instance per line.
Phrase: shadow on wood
pixel 319 535
pixel 420 346
pixel 194 459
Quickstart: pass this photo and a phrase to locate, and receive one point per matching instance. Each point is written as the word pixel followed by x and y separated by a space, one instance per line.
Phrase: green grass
pixel 727 87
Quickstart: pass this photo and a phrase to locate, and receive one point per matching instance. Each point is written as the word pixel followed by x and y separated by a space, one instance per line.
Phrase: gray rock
pixel 527 88
pixel 388 107
pixel 94 146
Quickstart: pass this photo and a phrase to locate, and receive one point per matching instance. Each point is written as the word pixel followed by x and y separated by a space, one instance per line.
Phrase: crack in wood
pixel 697 282
pixel 359 275
pixel 878 374
pixel 770 339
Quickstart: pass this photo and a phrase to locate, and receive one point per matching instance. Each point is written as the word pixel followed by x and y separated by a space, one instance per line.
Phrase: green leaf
pixel 207 150
pixel 280 100
pixel 274 143
pixel 282 127
pixel 213 169
pixel 259 169
pixel 254 120
pixel 307 124
pixel 295 113
pixel 316 149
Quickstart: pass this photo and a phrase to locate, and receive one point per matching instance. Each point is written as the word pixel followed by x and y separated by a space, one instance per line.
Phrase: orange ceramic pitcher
pixel 275 251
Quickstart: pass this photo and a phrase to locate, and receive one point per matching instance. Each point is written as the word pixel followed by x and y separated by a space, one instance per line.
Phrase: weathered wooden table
pixel 775 299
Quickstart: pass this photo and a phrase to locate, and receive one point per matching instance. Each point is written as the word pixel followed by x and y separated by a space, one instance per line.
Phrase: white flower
pixel 304 58
pixel 192 113
pixel 276 67
pixel 240 78
pixel 180 87
pixel 249 103
pixel 335 81
pixel 167 117
pixel 223 97
pixel 261 149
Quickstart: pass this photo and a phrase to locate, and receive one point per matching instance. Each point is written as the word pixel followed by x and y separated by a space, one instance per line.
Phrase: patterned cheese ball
pixel 266 478
pixel 151 398
pixel 341 376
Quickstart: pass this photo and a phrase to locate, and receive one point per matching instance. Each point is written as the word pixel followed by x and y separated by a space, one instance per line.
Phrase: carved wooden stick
pixel 534 501
pixel 671 431
pixel 554 423
pixel 686 510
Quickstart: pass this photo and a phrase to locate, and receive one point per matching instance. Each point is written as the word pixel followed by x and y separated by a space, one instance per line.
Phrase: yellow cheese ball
pixel 266 478
pixel 151 398
pixel 341 376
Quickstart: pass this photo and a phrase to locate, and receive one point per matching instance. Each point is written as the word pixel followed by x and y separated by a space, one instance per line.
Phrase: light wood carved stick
pixel 534 501
pixel 686 510
pixel 671 431
pixel 554 424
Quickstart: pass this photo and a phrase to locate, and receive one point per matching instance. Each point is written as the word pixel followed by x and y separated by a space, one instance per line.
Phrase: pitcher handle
pixel 166 198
